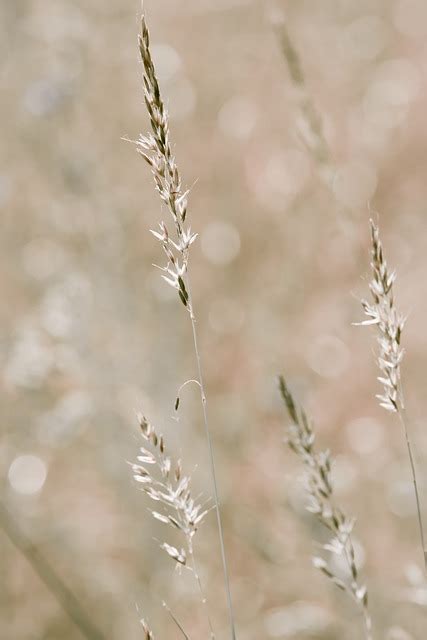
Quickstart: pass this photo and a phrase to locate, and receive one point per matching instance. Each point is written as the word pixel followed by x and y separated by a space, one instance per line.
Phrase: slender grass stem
pixel 212 464
pixel 367 620
pixel 403 422
pixel 201 589
pixel 352 590
pixel 176 621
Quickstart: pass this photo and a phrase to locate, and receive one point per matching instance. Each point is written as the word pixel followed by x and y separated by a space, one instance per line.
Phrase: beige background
pixel 90 333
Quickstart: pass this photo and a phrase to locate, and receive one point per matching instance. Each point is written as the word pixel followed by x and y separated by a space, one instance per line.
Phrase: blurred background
pixel 290 121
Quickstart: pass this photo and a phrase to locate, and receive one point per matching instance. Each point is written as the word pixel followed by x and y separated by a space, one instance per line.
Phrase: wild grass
pixel 162 479
pixel 156 149
pixel 301 440
pixel 389 322
pixel 164 483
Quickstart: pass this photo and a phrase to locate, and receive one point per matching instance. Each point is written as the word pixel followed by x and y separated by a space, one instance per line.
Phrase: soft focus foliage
pixel 91 334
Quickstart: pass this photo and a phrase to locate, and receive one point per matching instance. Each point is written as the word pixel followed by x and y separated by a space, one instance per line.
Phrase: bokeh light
pixel 27 474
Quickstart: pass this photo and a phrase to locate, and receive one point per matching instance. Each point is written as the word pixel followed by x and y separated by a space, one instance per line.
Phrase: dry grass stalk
pixel 382 313
pixel 301 440
pixel 156 149
pixel 148 634
pixel 310 124
pixel 176 622
pixel 163 482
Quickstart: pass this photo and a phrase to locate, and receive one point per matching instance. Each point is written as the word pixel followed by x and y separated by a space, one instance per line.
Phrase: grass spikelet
pixel 155 148
pixel 301 440
pixel 162 480
pixel 383 313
